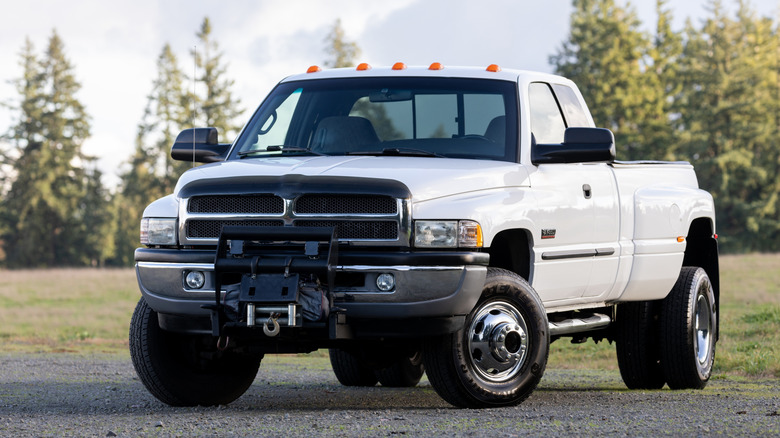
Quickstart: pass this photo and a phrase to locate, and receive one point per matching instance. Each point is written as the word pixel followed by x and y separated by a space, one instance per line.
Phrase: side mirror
pixel 580 145
pixel 200 145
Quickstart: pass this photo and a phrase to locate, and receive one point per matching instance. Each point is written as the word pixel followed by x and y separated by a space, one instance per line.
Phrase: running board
pixel 578 325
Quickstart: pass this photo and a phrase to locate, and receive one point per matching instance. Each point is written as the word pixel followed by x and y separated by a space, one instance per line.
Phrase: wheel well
pixel 511 250
pixel 702 251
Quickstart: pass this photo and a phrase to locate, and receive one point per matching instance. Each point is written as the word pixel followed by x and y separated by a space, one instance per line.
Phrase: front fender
pixel 495 210
pixel 167 206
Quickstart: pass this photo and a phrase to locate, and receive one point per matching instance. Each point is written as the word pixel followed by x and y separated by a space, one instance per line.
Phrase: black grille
pixel 210 229
pixel 267 204
pixel 345 204
pixel 373 230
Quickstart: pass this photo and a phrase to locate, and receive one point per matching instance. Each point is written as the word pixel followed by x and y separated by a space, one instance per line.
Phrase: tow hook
pixel 271 325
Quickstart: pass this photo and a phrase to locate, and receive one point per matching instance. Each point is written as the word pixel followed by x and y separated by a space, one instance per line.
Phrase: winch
pixel 280 270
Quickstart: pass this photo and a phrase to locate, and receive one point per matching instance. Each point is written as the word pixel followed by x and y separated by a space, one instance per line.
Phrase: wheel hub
pixel 703 329
pixel 498 341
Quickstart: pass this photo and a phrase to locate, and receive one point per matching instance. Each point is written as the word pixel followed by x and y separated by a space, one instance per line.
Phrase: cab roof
pixel 434 70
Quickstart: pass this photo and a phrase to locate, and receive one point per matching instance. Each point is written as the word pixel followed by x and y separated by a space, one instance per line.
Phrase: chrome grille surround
pixel 369 220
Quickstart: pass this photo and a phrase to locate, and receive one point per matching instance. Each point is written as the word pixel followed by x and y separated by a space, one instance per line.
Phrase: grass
pixel 66 310
pixel 88 311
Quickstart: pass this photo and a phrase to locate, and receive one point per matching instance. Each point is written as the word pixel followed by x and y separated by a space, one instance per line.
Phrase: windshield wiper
pixel 278 148
pixel 406 152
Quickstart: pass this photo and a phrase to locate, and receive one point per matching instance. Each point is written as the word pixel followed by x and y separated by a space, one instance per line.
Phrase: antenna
pixel 194 106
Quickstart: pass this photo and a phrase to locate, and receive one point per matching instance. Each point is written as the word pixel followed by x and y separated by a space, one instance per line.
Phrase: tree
pixel 152 172
pixel 604 55
pixel 730 123
pixel 659 139
pixel 43 213
pixel 219 108
pixel 140 186
pixel 171 107
pixel 341 53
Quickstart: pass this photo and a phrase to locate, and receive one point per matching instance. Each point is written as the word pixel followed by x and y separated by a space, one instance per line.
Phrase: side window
pixel 572 110
pixel 547 123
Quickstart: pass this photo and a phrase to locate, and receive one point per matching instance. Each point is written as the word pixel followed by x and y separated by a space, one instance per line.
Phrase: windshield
pixel 459 118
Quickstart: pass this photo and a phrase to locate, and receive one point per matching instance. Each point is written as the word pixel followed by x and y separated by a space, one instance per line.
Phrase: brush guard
pixel 281 271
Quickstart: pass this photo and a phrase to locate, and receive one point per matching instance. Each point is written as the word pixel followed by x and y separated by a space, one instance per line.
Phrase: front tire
pixel 688 330
pixel 500 354
pixel 186 370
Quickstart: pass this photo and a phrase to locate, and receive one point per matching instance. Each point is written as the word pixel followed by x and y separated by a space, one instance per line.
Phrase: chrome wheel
pixel 497 341
pixel 499 355
pixel 703 328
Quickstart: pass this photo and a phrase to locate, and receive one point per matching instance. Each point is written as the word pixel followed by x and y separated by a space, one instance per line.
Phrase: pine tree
pixel 604 56
pixel 218 108
pixel 659 138
pixel 341 53
pixel 44 209
pixel 171 107
pixel 730 78
pixel 152 173
pixel 164 117
pixel 140 186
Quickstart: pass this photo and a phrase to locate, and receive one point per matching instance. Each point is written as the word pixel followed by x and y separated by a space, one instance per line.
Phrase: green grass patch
pixel 89 310
pixel 70 310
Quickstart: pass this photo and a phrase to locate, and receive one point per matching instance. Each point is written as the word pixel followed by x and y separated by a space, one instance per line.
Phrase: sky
pixel 113 45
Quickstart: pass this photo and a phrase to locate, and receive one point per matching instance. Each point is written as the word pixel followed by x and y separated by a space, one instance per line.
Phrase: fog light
pixel 195 279
pixel 385 282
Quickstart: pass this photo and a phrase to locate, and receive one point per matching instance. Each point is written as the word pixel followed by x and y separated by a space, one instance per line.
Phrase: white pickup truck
pixel 453 221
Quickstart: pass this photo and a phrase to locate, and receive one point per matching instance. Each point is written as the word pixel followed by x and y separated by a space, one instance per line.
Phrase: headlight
pixel 436 234
pixel 447 234
pixel 156 231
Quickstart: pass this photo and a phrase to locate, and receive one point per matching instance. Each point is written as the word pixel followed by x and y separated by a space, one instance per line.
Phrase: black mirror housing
pixel 200 145
pixel 580 145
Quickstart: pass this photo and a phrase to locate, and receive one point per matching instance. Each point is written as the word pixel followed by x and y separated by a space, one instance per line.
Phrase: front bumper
pixel 428 284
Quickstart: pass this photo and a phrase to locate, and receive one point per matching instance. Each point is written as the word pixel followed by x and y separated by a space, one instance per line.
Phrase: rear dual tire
pixel 688 330
pixel 671 341
pixel 403 372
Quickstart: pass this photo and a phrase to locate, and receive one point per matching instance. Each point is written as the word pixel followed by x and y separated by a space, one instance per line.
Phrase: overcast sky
pixel 114 45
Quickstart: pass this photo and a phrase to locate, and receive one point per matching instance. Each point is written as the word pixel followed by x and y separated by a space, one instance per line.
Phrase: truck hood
pixel 427 178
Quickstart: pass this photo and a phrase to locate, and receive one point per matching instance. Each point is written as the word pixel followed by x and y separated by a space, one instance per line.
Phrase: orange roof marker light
pixel 493 68
pixel 436 66
pixel 363 66
pixel 399 66
pixel 314 69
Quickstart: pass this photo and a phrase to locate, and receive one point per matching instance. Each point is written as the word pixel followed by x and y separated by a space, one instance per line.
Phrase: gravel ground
pixel 70 395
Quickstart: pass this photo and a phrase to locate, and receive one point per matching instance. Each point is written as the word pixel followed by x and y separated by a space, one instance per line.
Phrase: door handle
pixel 586 191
